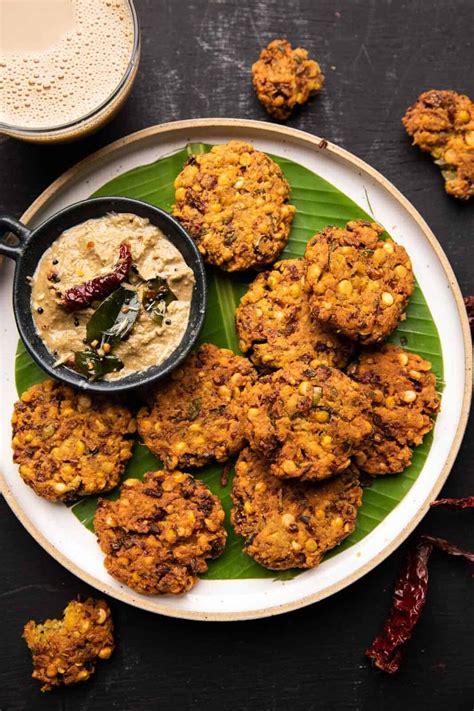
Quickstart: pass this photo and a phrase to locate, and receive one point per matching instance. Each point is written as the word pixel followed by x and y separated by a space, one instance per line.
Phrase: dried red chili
pixel 466 503
pixel 77 297
pixel 469 304
pixel 409 599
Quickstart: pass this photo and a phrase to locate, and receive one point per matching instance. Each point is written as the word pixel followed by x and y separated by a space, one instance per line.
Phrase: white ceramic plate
pixel 63 536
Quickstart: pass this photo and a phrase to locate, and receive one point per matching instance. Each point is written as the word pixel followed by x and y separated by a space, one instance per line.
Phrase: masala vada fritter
pixel 402 390
pixel 284 77
pixel 275 327
pixel 291 524
pixel 358 284
pixel 233 201
pixel 159 533
pixel 66 651
pixel 442 123
pixel 197 416
pixel 306 421
pixel 70 444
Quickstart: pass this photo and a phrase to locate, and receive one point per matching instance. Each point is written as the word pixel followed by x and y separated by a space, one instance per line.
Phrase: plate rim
pixel 124 594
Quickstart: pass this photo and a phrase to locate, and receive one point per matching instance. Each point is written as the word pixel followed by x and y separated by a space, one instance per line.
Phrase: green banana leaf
pixel 318 204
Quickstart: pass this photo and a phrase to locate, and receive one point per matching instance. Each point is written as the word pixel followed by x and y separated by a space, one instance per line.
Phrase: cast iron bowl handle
pixel 19 230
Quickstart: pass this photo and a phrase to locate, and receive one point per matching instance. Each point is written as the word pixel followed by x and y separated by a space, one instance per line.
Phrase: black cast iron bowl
pixel 28 250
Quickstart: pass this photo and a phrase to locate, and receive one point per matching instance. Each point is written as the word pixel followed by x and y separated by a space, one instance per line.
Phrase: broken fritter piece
pixel 158 535
pixel 274 323
pixel 233 201
pixel 306 421
pixel 284 77
pixel 404 400
pixel 358 284
pixel 197 415
pixel 442 123
pixel 70 444
pixel 66 651
pixel 291 524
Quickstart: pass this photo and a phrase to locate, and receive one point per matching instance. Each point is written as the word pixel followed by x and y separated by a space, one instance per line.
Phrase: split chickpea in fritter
pixel 291 524
pixel 274 323
pixel 284 78
pixel 198 415
pixel 402 390
pixel 233 201
pixel 307 421
pixel 442 123
pixel 70 444
pixel 160 532
pixel 358 284
pixel 66 651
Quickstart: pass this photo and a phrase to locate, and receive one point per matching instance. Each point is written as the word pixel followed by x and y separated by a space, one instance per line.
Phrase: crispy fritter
pixel 359 285
pixel 307 421
pixel 284 77
pixel 402 390
pixel 234 203
pixel 66 651
pixel 159 533
pixel 197 415
pixel 69 444
pixel 442 123
pixel 273 322
pixel 291 524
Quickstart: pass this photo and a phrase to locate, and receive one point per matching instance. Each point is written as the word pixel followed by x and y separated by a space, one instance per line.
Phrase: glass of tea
pixel 66 66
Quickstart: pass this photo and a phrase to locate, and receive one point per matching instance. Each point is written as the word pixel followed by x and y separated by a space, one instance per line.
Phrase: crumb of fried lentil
pixel 68 443
pixel 196 416
pixel 66 651
pixel 358 284
pixel 291 524
pixel 402 390
pixel 233 201
pixel 307 421
pixel 160 532
pixel 275 327
pixel 442 123
pixel 284 77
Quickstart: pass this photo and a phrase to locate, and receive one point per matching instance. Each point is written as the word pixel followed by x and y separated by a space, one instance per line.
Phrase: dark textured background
pixel 377 57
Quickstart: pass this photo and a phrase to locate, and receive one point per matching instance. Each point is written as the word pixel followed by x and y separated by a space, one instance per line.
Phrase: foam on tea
pixel 61 59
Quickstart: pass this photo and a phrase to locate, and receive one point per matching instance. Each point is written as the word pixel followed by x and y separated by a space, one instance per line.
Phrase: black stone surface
pixel 377 57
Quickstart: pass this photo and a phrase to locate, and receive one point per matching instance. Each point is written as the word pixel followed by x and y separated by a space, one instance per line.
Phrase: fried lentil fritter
pixel 159 533
pixel 69 444
pixel 284 77
pixel 402 390
pixel 291 524
pixel 234 203
pixel 307 421
pixel 197 415
pixel 274 323
pixel 66 651
pixel 359 285
pixel 442 123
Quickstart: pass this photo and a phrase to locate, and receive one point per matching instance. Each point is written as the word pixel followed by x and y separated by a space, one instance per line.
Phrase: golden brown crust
pixel 66 651
pixel 273 322
pixel 307 421
pixel 442 123
pixel 284 77
pixel 402 390
pixel 291 524
pixel 197 416
pixel 70 444
pixel 234 203
pixel 160 531
pixel 358 284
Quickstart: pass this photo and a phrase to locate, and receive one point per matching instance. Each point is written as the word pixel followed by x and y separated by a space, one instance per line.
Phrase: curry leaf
pixel 114 318
pixel 157 296
pixel 95 366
